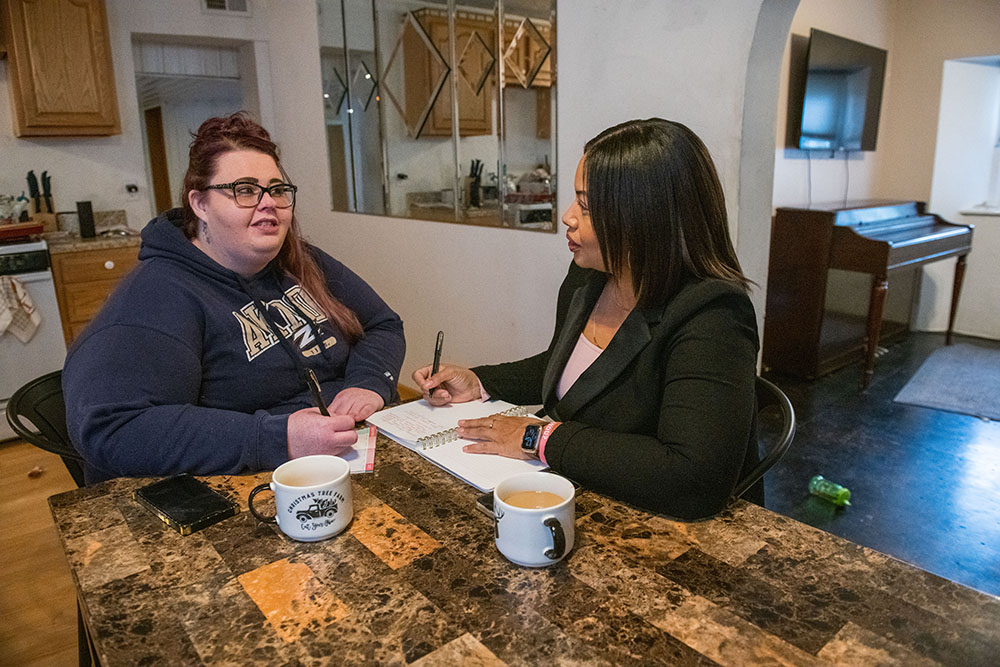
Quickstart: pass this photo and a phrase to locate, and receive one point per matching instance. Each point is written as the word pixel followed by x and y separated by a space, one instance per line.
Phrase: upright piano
pixel 880 238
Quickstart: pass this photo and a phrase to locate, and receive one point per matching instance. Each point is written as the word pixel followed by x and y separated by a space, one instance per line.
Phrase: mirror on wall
pixel 441 110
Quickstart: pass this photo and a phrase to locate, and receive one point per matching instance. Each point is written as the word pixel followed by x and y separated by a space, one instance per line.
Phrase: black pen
pixel 317 395
pixel 437 357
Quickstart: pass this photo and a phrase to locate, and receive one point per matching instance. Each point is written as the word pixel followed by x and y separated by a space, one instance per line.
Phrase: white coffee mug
pixel 535 537
pixel 312 496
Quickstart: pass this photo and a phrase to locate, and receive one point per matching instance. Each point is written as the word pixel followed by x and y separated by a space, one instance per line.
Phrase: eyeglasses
pixel 248 195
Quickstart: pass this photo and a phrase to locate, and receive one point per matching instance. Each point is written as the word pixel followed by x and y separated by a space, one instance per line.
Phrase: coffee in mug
pixel 535 518
pixel 312 497
pixel 533 500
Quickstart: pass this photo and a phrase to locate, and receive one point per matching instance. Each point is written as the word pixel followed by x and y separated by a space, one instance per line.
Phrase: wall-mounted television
pixel 837 108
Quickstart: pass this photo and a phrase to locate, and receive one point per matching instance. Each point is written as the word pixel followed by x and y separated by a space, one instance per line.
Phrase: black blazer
pixel 665 417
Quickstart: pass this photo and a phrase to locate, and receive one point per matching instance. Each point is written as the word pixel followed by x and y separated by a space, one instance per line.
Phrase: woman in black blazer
pixel 650 374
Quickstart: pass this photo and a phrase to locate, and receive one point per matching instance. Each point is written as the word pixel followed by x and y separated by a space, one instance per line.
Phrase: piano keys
pixel 879 238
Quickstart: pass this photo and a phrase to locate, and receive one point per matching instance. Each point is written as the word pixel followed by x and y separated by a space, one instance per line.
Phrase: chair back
pixel 37 413
pixel 769 395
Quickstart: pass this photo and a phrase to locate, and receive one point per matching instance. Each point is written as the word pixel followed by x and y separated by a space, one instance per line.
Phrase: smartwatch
pixel 529 443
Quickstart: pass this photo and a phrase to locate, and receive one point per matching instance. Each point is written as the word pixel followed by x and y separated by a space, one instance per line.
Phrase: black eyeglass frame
pixel 260 194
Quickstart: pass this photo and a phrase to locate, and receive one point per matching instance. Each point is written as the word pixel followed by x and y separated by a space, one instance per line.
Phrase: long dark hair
pixel 238 132
pixel 657 208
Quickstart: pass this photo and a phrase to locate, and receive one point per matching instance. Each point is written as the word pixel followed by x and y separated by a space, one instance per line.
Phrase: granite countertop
pixel 416 579
pixel 60 242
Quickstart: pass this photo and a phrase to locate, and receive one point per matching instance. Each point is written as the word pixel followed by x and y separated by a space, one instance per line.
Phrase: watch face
pixel 529 443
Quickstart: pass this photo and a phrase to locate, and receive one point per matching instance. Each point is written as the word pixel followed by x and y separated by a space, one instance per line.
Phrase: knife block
pixel 471 192
pixel 466 192
pixel 48 220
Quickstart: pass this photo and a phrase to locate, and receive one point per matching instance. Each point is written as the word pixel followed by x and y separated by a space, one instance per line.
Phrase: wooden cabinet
pixel 61 75
pixel 475 40
pixel 475 51
pixel 528 51
pixel 543 113
pixel 84 279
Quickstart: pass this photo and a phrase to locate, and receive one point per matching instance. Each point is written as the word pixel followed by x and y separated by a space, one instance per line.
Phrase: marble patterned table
pixel 416 579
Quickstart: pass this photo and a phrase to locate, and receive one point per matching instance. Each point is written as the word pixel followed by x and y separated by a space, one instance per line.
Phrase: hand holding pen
pixel 311 433
pixel 356 402
pixel 446 384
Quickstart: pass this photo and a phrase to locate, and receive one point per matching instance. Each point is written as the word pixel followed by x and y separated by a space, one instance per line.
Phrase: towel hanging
pixel 18 314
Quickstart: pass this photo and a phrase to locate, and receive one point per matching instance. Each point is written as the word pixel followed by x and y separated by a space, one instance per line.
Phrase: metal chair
pixel 769 395
pixel 40 402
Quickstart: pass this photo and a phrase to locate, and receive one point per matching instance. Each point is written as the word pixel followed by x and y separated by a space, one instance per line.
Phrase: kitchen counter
pixel 416 579
pixel 60 242
pixel 483 217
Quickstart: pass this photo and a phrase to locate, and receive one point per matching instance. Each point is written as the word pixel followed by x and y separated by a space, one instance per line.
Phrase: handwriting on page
pixel 410 426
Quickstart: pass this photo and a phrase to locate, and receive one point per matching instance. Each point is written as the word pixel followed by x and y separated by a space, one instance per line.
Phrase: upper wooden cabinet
pixel 475 42
pixel 61 75
pixel 475 47
pixel 532 54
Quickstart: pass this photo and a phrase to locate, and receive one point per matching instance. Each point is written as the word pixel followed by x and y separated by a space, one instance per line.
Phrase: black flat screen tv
pixel 842 94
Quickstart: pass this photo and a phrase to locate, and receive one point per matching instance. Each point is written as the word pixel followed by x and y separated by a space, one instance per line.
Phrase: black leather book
pixel 186 504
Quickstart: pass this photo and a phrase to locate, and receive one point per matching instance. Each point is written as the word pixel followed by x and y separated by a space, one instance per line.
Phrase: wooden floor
pixel 923 481
pixel 37 600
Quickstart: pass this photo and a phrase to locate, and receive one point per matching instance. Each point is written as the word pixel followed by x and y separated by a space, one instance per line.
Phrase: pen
pixel 317 395
pixel 437 357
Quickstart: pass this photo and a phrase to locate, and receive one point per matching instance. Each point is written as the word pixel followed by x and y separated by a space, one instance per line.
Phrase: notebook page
pixel 411 421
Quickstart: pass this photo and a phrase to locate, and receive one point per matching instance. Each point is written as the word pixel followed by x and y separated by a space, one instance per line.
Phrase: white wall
pixel 967 127
pixel 867 21
pixel 927 34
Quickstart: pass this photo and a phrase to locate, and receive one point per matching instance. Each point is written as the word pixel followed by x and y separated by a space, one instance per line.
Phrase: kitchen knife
pixel 33 191
pixel 47 191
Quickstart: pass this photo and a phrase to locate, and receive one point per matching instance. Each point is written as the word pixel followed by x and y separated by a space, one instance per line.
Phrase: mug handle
pixel 258 515
pixel 558 538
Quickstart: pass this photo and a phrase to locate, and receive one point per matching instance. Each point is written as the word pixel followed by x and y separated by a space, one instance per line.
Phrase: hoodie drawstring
pixel 295 356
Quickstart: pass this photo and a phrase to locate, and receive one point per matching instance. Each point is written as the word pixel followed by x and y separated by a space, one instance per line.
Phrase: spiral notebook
pixel 432 432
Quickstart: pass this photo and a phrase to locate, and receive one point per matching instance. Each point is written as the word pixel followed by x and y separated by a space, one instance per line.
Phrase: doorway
pixel 156 148
pixel 180 84
pixel 337 150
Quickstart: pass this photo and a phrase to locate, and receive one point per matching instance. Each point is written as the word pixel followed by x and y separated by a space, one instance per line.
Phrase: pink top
pixel 583 356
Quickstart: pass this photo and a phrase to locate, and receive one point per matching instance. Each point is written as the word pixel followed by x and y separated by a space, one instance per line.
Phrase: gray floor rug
pixel 957 378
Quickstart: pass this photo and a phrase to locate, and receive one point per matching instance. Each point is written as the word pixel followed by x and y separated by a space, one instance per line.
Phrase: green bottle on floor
pixel 835 493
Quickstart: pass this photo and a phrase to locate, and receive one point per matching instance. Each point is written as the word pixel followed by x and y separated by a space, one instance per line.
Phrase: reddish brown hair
pixel 239 132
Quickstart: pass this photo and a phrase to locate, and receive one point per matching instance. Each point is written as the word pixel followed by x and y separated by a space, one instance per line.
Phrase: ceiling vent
pixel 228 7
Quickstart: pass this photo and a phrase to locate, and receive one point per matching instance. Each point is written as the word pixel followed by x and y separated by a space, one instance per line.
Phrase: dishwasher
pixel 46 351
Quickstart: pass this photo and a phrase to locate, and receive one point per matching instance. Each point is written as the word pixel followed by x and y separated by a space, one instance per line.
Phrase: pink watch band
pixel 546 432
